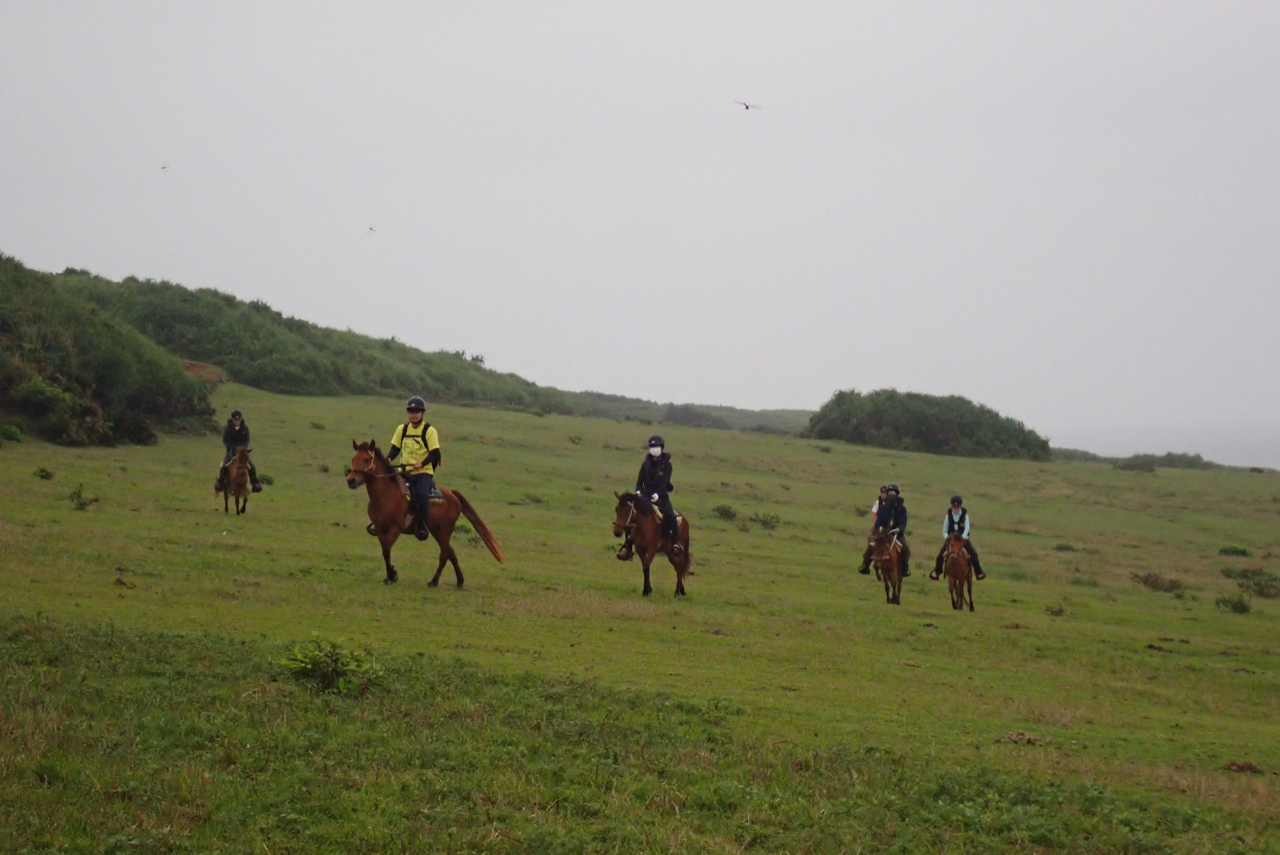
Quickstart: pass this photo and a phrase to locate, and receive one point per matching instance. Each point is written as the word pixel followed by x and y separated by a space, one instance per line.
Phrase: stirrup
pixel 865 569
pixel 979 575
pixel 935 575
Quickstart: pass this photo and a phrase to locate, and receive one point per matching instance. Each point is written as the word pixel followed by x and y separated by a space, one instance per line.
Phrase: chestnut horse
pixel 634 516
pixel 886 558
pixel 959 573
pixel 392 514
pixel 233 483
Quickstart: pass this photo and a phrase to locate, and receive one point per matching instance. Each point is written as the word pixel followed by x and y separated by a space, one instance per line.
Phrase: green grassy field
pixel 1148 694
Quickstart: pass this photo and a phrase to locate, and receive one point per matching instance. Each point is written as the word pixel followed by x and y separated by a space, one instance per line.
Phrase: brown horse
pixel 959 573
pixel 887 559
pixel 392 513
pixel 234 482
pixel 634 517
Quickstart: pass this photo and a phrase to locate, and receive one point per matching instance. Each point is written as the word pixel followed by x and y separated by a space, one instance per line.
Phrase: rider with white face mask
pixel 654 484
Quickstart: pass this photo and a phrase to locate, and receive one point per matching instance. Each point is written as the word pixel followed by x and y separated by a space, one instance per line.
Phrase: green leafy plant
pixel 266 479
pixel 43 474
pixel 1239 551
pixel 10 433
pixel 1064 547
pixel 79 500
pixel 330 668
pixel 728 513
pixel 766 521
pixel 1055 609
pixel 1157 582
pixel 1238 603
pixel 1255 581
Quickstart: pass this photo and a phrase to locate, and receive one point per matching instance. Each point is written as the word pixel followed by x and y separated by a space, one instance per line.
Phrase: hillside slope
pixel 78 374
pixel 258 346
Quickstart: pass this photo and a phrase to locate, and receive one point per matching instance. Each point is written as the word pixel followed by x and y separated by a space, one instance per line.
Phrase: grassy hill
pixel 1092 703
pixel 79 374
pixel 260 347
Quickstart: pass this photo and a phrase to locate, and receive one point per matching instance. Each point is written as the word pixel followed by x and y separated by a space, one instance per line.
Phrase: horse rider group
pixel 890 514
pixel 415 452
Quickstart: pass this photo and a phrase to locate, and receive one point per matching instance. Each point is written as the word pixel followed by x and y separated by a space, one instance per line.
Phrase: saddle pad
pixel 657 514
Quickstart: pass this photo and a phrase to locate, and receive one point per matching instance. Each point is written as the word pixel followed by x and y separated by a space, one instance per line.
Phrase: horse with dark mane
pixel 635 516
pixel 233 483
pixel 391 513
pixel 887 559
pixel 959 571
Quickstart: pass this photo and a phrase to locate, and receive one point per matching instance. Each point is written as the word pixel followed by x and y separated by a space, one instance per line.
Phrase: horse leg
pixel 387 540
pixel 457 568
pixel 679 566
pixel 645 560
pixel 970 582
pixel 226 504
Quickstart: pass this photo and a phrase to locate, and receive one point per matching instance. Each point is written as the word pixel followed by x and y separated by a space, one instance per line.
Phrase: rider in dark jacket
pixel 892 516
pixel 956 521
pixel 235 435
pixel 654 484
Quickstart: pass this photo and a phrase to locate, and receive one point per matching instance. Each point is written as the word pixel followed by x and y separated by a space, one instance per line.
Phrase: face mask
pixel 656 451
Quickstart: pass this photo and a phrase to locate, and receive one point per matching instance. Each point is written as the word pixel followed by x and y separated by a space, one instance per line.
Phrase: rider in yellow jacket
pixel 415 449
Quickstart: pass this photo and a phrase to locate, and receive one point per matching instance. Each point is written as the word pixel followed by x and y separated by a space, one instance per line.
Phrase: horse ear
pixel 373 443
pixel 617 495
pixel 355 446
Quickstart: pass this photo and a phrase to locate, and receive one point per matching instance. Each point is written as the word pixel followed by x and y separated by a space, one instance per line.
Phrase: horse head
pixel 242 455
pixel 881 547
pixel 955 548
pixel 624 514
pixel 367 461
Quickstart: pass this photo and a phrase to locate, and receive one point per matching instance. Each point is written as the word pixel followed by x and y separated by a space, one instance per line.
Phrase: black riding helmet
pixel 236 414
pixel 416 403
pixel 893 488
pixel 656 441
pixel 956 500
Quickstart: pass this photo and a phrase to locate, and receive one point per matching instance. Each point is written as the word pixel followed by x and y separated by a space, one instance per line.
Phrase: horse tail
pixel 481 529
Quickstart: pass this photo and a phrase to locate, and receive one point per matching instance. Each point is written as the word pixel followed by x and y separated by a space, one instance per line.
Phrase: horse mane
pixel 373 449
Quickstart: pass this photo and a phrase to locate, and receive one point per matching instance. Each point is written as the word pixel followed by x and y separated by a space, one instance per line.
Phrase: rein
pixel 373 459
pixel 631 516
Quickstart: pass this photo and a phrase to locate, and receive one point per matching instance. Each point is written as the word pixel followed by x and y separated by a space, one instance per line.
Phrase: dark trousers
pixel 968 547
pixel 420 487
pixel 670 525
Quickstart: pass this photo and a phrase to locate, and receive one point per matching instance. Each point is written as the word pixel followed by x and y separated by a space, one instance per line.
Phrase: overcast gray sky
pixel 1069 212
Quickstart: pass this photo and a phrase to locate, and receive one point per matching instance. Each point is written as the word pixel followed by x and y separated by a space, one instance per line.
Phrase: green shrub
pixel 1255 581
pixel 1055 609
pixel 1064 547
pixel 43 474
pixel 911 421
pixel 1235 550
pixel 267 479
pixel 728 513
pixel 1237 603
pixel 79 500
pixel 1157 582
pixel 766 521
pixel 10 433
pixel 317 426
pixel 329 667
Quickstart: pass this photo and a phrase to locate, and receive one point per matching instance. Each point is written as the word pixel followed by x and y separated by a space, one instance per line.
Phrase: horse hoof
pixel 432 583
pixel 647 593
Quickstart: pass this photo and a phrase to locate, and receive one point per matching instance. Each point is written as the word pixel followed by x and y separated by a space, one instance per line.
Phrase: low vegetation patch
pixel 1238 551
pixel 79 500
pixel 728 513
pixel 330 667
pixel 1255 581
pixel 1238 603
pixel 1157 582
pixel 766 521
pixel 185 744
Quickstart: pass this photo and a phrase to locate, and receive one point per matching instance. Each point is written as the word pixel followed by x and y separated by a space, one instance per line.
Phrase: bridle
pixel 629 524
pixel 373 460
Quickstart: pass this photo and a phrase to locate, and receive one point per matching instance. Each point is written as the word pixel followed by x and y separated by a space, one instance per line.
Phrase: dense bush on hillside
pixel 260 347
pixel 79 375
pixel 910 421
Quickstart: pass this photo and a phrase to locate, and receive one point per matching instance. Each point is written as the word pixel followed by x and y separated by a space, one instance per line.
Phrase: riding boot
pixel 253 479
pixel 624 552
pixel 424 530
pixel 977 568
pixel 674 536
pixel 937 568
pixel 865 569
pixel 906 562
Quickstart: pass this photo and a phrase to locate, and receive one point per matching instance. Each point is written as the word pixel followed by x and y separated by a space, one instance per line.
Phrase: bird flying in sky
pixel 747 106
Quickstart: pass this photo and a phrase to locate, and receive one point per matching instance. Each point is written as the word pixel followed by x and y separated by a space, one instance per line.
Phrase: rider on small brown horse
pixel 865 568
pixel 417 446
pixel 654 484
pixel 957 521
pixel 236 435
pixel 892 516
